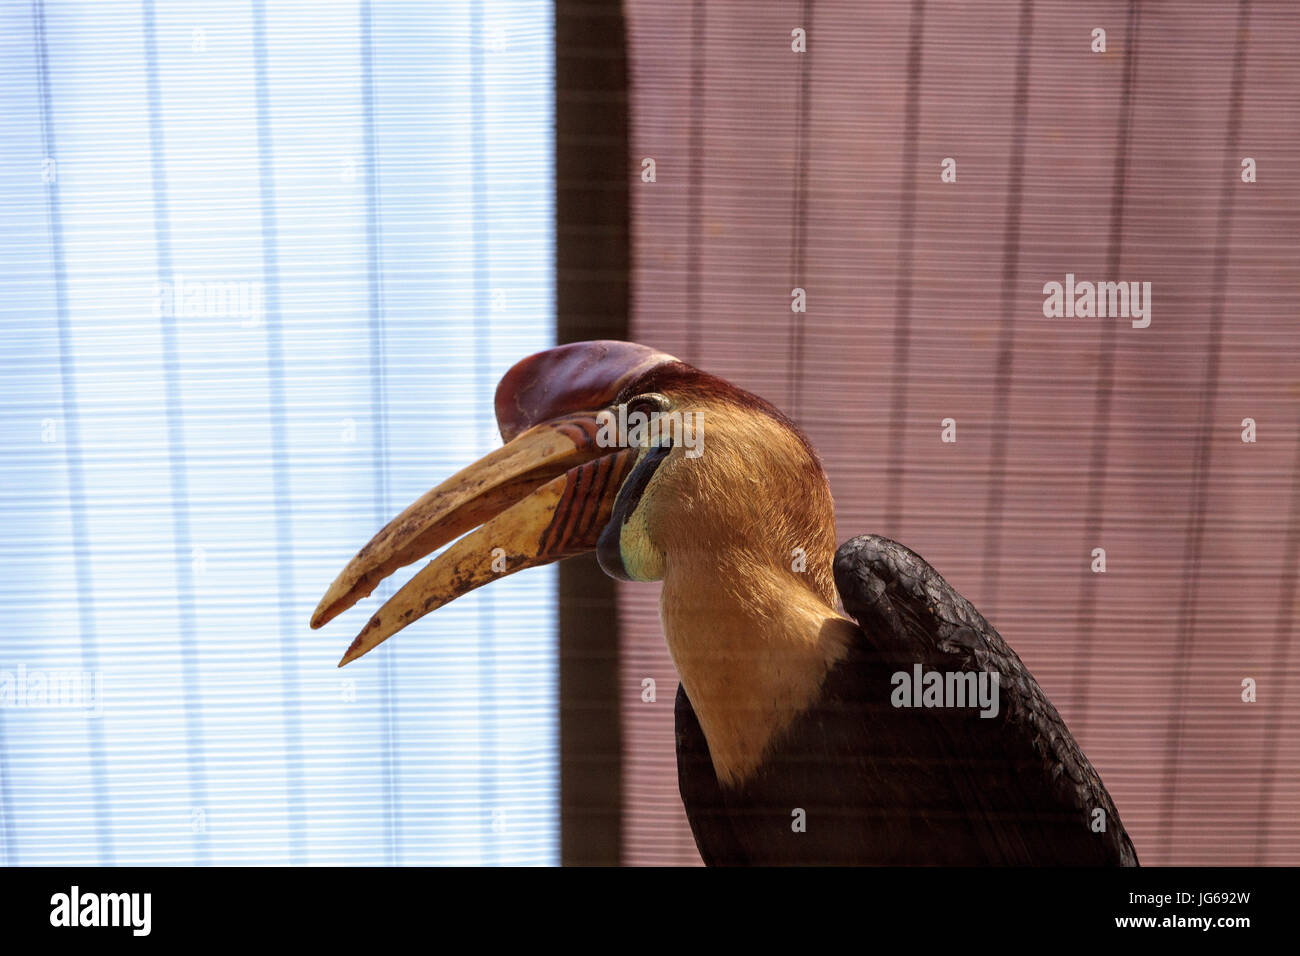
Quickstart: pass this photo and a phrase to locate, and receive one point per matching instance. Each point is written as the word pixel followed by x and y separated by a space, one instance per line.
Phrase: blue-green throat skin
pixel 614 561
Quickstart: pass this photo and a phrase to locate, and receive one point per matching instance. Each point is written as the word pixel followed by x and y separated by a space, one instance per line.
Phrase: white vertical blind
pixel 264 263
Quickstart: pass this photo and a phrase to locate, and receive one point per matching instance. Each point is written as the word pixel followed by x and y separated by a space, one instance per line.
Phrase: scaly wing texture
pixel 857 780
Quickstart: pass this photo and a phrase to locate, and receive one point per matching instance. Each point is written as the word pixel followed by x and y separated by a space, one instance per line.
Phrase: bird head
pixel 663 470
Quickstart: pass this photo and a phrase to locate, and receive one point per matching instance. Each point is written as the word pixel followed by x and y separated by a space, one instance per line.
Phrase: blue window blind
pixel 264 263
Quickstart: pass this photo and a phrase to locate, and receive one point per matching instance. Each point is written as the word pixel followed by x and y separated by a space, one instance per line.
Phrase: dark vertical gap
pixel 1007 334
pixel 483 385
pixel 76 475
pixel 695 185
pixel 176 458
pixel 903 287
pixel 378 361
pixel 1099 459
pixel 799 212
pixel 295 803
pixel 1194 540
pixel 1281 661
pixel 592 256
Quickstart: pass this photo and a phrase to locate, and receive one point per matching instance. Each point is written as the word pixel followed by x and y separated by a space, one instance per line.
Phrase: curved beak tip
pixel 352 653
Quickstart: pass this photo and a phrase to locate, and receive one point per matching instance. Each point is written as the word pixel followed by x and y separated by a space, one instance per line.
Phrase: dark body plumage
pixel 886 785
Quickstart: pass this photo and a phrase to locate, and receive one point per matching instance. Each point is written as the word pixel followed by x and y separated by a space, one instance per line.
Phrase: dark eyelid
pixel 649 402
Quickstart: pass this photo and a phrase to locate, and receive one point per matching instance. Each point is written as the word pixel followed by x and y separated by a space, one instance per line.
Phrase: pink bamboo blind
pixel 821 170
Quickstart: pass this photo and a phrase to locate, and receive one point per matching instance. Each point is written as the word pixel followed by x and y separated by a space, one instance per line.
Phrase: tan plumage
pixel 748 600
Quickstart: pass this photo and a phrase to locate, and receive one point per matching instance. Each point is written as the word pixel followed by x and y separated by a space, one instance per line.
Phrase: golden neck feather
pixel 748 602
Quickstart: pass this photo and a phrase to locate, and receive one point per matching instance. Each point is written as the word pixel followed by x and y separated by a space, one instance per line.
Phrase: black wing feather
pixel 1037 783
pixel 878 784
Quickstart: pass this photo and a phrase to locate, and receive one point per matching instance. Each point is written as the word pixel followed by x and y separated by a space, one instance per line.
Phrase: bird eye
pixel 648 403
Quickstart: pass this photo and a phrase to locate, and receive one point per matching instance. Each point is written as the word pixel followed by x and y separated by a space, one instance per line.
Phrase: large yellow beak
pixel 545 495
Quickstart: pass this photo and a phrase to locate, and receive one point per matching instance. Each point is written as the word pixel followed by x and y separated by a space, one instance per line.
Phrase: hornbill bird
pixel 805 734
